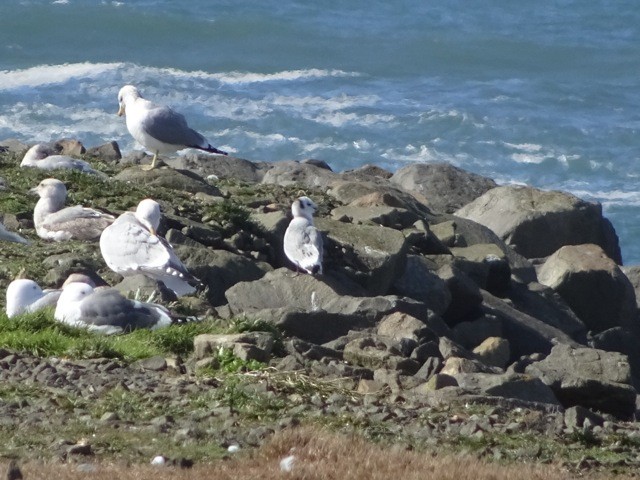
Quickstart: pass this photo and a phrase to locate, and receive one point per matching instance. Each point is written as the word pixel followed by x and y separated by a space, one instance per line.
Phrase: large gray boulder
pixel 303 174
pixel 536 223
pixel 220 166
pixel 372 256
pixel 593 286
pixel 508 385
pixel 182 180
pixel 420 282
pixel 588 377
pixel 443 187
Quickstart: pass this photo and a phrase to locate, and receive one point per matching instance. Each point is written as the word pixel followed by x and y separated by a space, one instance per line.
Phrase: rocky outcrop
pixel 536 223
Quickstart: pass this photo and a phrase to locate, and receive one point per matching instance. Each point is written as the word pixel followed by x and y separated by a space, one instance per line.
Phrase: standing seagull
pixel 302 241
pixel 107 311
pixel 131 246
pixel 55 222
pixel 157 127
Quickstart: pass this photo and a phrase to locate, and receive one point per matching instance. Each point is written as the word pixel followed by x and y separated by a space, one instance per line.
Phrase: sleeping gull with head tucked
pixel 55 222
pixel 10 236
pixel 158 127
pixel 302 241
pixel 107 311
pixel 45 157
pixel 24 295
pixel 131 246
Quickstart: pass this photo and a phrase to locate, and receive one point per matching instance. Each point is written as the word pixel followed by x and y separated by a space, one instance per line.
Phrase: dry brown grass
pixel 318 455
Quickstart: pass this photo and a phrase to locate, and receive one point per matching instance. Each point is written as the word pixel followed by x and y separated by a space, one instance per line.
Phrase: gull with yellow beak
pixel 131 246
pixel 158 128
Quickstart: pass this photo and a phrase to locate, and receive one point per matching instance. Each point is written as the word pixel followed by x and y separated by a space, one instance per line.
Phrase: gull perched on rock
pixel 55 222
pixel 107 310
pixel 131 246
pixel 157 127
pixel 10 236
pixel 302 241
pixel 45 157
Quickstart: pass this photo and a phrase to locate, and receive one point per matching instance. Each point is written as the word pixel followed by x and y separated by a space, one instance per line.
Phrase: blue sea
pixel 542 93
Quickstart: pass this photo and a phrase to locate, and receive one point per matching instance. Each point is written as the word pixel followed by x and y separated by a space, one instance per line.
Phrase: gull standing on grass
pixel 302 241
pixel 132 246
pixel 157 127
pixel 107 310
pixel 55 222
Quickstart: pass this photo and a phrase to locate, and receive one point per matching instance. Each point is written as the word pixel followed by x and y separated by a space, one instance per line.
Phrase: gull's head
pixel 51 188
pixel 127 94
pixel 20 294
pixel 148 213
pixel 75 292
pixel 304 207
pixel 79 278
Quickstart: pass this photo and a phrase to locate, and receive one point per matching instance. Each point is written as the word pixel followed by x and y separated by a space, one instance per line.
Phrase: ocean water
pixel 542 93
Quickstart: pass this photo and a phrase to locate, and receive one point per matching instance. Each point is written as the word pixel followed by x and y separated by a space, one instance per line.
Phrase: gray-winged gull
pixel 131 246
pixel 45 157
pixel 24 295
pixel 107 311
pixel 158 127
pixel 10 236
pixel 55 222
pixel 302 241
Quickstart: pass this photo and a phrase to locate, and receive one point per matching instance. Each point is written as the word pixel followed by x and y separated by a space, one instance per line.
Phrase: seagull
pixel 158 127
pixel 10 236
pixel 55 222
pixel 107 310
pixel 26 296
pixel 45 157
pixel 132 245
pixel 302 241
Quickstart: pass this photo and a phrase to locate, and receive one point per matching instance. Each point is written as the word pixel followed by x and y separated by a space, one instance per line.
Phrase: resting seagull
pixel 44 157
pixel 10 236
pixel 107 311
pixel 302 241
pixel 24 295
pixel 158 127
pixel 132 246
pixel 55 222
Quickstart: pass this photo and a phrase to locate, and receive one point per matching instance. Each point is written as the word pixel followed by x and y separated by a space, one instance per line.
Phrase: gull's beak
pixel 121 110
pixel 33 191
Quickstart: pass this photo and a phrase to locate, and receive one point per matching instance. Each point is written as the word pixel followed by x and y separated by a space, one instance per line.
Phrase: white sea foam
pixel 524 147
pixel 48 74
pixel 529 158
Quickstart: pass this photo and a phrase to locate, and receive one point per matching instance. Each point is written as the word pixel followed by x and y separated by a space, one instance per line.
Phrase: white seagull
pixel 107 311
pixel 24 295
pixel 302 241
pixel 10 236
pixel 158 127
pixel 132 246
pixel 45 157
pixel 55 222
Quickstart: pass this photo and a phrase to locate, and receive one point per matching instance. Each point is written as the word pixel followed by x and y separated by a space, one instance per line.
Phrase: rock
pixel 621 340
pixel 633 274
pixel 367 173
pixel 436 382
pixel 247 346
pixel 219 166
pixel 14 145
pixel 376 352
pixel 456 365
pixel 391 217
pixel 108 152
pixel 525 333
pixel 593 286
pixel 494 351
pixel 432 366
pixel 273 225
pixel 419 282
pixel 182 180
pixel 472 333
pixel 400 325
pixel 370 255
pixel 508 385
pixel 69 146
pixel 588 377
pixel 576 417
pixel 465 295
pixel 291 172
pixel 536 223
pixel 444 187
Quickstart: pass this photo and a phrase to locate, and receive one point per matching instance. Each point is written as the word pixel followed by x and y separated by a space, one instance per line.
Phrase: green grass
pixel 39 334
